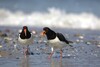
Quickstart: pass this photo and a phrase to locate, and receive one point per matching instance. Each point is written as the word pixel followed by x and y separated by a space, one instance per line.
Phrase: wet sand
pixel 84 53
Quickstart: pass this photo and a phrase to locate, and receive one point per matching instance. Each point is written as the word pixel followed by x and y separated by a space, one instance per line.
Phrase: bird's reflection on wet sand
pixel 56 62
pixel 25 61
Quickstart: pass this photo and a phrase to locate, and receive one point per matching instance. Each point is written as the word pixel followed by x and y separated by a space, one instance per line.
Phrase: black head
pixel 49 33
pixel 46 29
pixel 25 27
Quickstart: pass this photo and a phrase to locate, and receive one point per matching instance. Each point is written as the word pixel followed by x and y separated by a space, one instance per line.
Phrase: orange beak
pixel 25 32
pixel 43 33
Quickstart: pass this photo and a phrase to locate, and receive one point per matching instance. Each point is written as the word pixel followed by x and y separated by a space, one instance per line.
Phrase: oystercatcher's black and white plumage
pixel 55 40
pixel 25 39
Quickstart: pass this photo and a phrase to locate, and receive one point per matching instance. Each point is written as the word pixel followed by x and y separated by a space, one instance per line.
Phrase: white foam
pixel 53 18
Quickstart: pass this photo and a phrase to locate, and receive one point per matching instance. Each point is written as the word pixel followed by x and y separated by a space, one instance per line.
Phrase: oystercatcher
pixel 55 40
pixel 25 39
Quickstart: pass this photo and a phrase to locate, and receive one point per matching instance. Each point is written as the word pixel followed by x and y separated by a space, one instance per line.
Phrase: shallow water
pixel 84 53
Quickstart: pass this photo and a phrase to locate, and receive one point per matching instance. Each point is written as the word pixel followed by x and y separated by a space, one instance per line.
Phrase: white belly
pixel 56 43
pixel 26 41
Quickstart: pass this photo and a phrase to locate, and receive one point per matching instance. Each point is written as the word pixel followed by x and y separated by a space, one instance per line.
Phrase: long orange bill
pixel 25 32
pixel 43 33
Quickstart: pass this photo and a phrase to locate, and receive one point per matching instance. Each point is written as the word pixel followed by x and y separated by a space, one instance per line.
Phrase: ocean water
pixel 75 14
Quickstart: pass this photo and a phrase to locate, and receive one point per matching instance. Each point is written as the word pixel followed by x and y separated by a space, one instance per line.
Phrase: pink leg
pixel 26 51
pixel 60 54
pixel 51 55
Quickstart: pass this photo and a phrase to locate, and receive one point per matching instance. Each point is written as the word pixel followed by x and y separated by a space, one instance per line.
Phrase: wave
pixel 53 18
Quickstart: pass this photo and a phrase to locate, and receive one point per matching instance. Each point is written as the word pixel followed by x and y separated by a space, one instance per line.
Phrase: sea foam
pixel 53 18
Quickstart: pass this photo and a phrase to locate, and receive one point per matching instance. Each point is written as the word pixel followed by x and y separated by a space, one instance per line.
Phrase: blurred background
pixel 75 14
pixel 77 20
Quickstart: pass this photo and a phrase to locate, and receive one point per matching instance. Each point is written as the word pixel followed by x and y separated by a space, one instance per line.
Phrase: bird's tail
pixel 68 42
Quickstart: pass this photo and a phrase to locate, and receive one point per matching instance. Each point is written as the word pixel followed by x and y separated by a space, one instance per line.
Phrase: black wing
pixel 62 38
